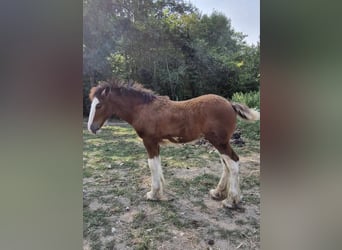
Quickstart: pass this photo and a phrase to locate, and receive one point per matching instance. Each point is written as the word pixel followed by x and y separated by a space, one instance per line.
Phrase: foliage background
pixel 168 46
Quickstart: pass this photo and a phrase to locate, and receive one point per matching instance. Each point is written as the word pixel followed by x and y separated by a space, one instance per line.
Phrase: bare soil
pixel 118 216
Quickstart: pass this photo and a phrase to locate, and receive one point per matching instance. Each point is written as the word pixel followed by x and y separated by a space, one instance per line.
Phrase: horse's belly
pixel 184 136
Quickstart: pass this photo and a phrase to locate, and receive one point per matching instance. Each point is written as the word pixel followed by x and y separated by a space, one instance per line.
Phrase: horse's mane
pixel 134 89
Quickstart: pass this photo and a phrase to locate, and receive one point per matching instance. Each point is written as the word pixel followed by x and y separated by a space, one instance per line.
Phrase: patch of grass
pixel 249 130
pixel 245 235
pixel 249 182
pixel 251 199
pixel 205 182
pixel 138 219
pixel 200 203
pixel 95 241
pixel 240 222
pixel 110 245
pixel 148 230
pixel 117 175
pixel 196 186
pixel 181 186
pixel 93 219
pixel 223 233
pixel 87 173
pixel 186 156
pixel 175 219
pixel 118 146
pixel 170 215
pixel 144 243
pixel 254 222
pixel 92 222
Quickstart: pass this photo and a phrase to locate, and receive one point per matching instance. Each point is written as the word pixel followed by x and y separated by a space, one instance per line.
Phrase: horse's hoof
pixel 228 203
pixel 217 195
pixel 151 196
pixel 232 204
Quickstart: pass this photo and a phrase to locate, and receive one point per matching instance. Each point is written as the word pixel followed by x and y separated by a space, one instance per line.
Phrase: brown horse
pixel 157 118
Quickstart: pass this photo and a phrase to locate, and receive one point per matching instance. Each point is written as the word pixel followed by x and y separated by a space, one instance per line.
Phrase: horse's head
pixel 100 109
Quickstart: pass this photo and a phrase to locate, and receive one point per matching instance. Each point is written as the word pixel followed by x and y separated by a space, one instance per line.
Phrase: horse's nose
pixel 94 128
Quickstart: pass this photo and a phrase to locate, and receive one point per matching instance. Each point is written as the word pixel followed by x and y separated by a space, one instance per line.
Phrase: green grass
pixel 114 145
pixel 93 220
pixel 116 175
pixel 249 130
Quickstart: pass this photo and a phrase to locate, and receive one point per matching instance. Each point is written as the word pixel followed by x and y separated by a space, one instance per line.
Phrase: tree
pixel 168 46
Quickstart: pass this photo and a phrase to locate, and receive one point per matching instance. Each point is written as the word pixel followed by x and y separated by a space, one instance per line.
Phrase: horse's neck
pixel 124 108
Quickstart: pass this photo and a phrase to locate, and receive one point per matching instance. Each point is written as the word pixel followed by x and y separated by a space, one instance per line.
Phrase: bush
pixel 251 99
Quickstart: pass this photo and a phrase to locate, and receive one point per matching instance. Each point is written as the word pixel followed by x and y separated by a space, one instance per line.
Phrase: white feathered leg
pixel 157 179
pixel 234 193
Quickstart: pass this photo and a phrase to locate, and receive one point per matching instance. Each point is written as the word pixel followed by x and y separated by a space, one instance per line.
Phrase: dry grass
pixel 117 215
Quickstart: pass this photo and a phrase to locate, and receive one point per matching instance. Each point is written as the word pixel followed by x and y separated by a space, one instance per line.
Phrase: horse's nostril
pixel 94 128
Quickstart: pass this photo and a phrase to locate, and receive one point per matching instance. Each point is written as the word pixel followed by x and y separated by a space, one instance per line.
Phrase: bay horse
pixel 157 118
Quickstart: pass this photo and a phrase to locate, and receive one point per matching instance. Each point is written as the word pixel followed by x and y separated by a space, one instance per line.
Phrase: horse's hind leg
pixel 234 193
pixel 221 191
pixel 154 163
pixel 228 189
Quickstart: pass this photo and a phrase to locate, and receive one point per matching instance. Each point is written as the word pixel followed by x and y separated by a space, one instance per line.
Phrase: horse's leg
pixel 221 191
pixel 231 160
pixel 229 187
pixel 154 163
pixel 157 179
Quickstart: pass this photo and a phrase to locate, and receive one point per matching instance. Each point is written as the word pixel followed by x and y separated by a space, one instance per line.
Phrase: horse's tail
pixel 246 113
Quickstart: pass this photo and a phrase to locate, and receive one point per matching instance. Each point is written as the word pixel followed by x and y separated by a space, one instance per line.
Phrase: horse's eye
pixel 98 106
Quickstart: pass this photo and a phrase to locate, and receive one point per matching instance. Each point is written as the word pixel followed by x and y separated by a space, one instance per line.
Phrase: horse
pixel 157 119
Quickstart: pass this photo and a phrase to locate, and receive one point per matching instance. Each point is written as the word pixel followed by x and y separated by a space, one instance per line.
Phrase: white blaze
pixel 92 112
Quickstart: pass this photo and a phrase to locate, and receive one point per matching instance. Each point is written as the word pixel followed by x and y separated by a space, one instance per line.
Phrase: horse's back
pixel 210 106
pixel 187 120
pixel 209 114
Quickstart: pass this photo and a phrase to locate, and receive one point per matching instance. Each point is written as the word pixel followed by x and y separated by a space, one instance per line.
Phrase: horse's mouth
pixel 94 128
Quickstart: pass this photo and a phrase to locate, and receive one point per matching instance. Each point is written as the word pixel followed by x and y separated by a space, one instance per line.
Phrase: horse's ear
pixel 105 92
pixel 92 93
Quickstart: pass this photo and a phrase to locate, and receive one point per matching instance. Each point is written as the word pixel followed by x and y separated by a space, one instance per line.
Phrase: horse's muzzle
pixel 94 128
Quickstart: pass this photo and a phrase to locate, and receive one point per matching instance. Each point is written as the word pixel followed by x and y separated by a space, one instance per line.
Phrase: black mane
pixel 135 90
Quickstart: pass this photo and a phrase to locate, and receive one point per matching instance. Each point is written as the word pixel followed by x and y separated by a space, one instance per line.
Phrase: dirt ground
pixel 118 216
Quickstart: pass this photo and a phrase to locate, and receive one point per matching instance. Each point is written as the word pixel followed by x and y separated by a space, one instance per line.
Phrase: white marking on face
pixel 92 112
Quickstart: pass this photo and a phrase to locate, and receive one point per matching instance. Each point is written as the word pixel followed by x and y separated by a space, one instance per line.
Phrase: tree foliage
pixel 168 46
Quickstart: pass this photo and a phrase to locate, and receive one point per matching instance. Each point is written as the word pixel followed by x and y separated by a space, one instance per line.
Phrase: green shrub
pixel 251 99
pixel 249 130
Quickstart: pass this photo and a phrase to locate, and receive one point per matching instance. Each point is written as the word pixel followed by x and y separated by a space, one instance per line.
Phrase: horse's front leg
pixel 157 179
pixel 154 163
